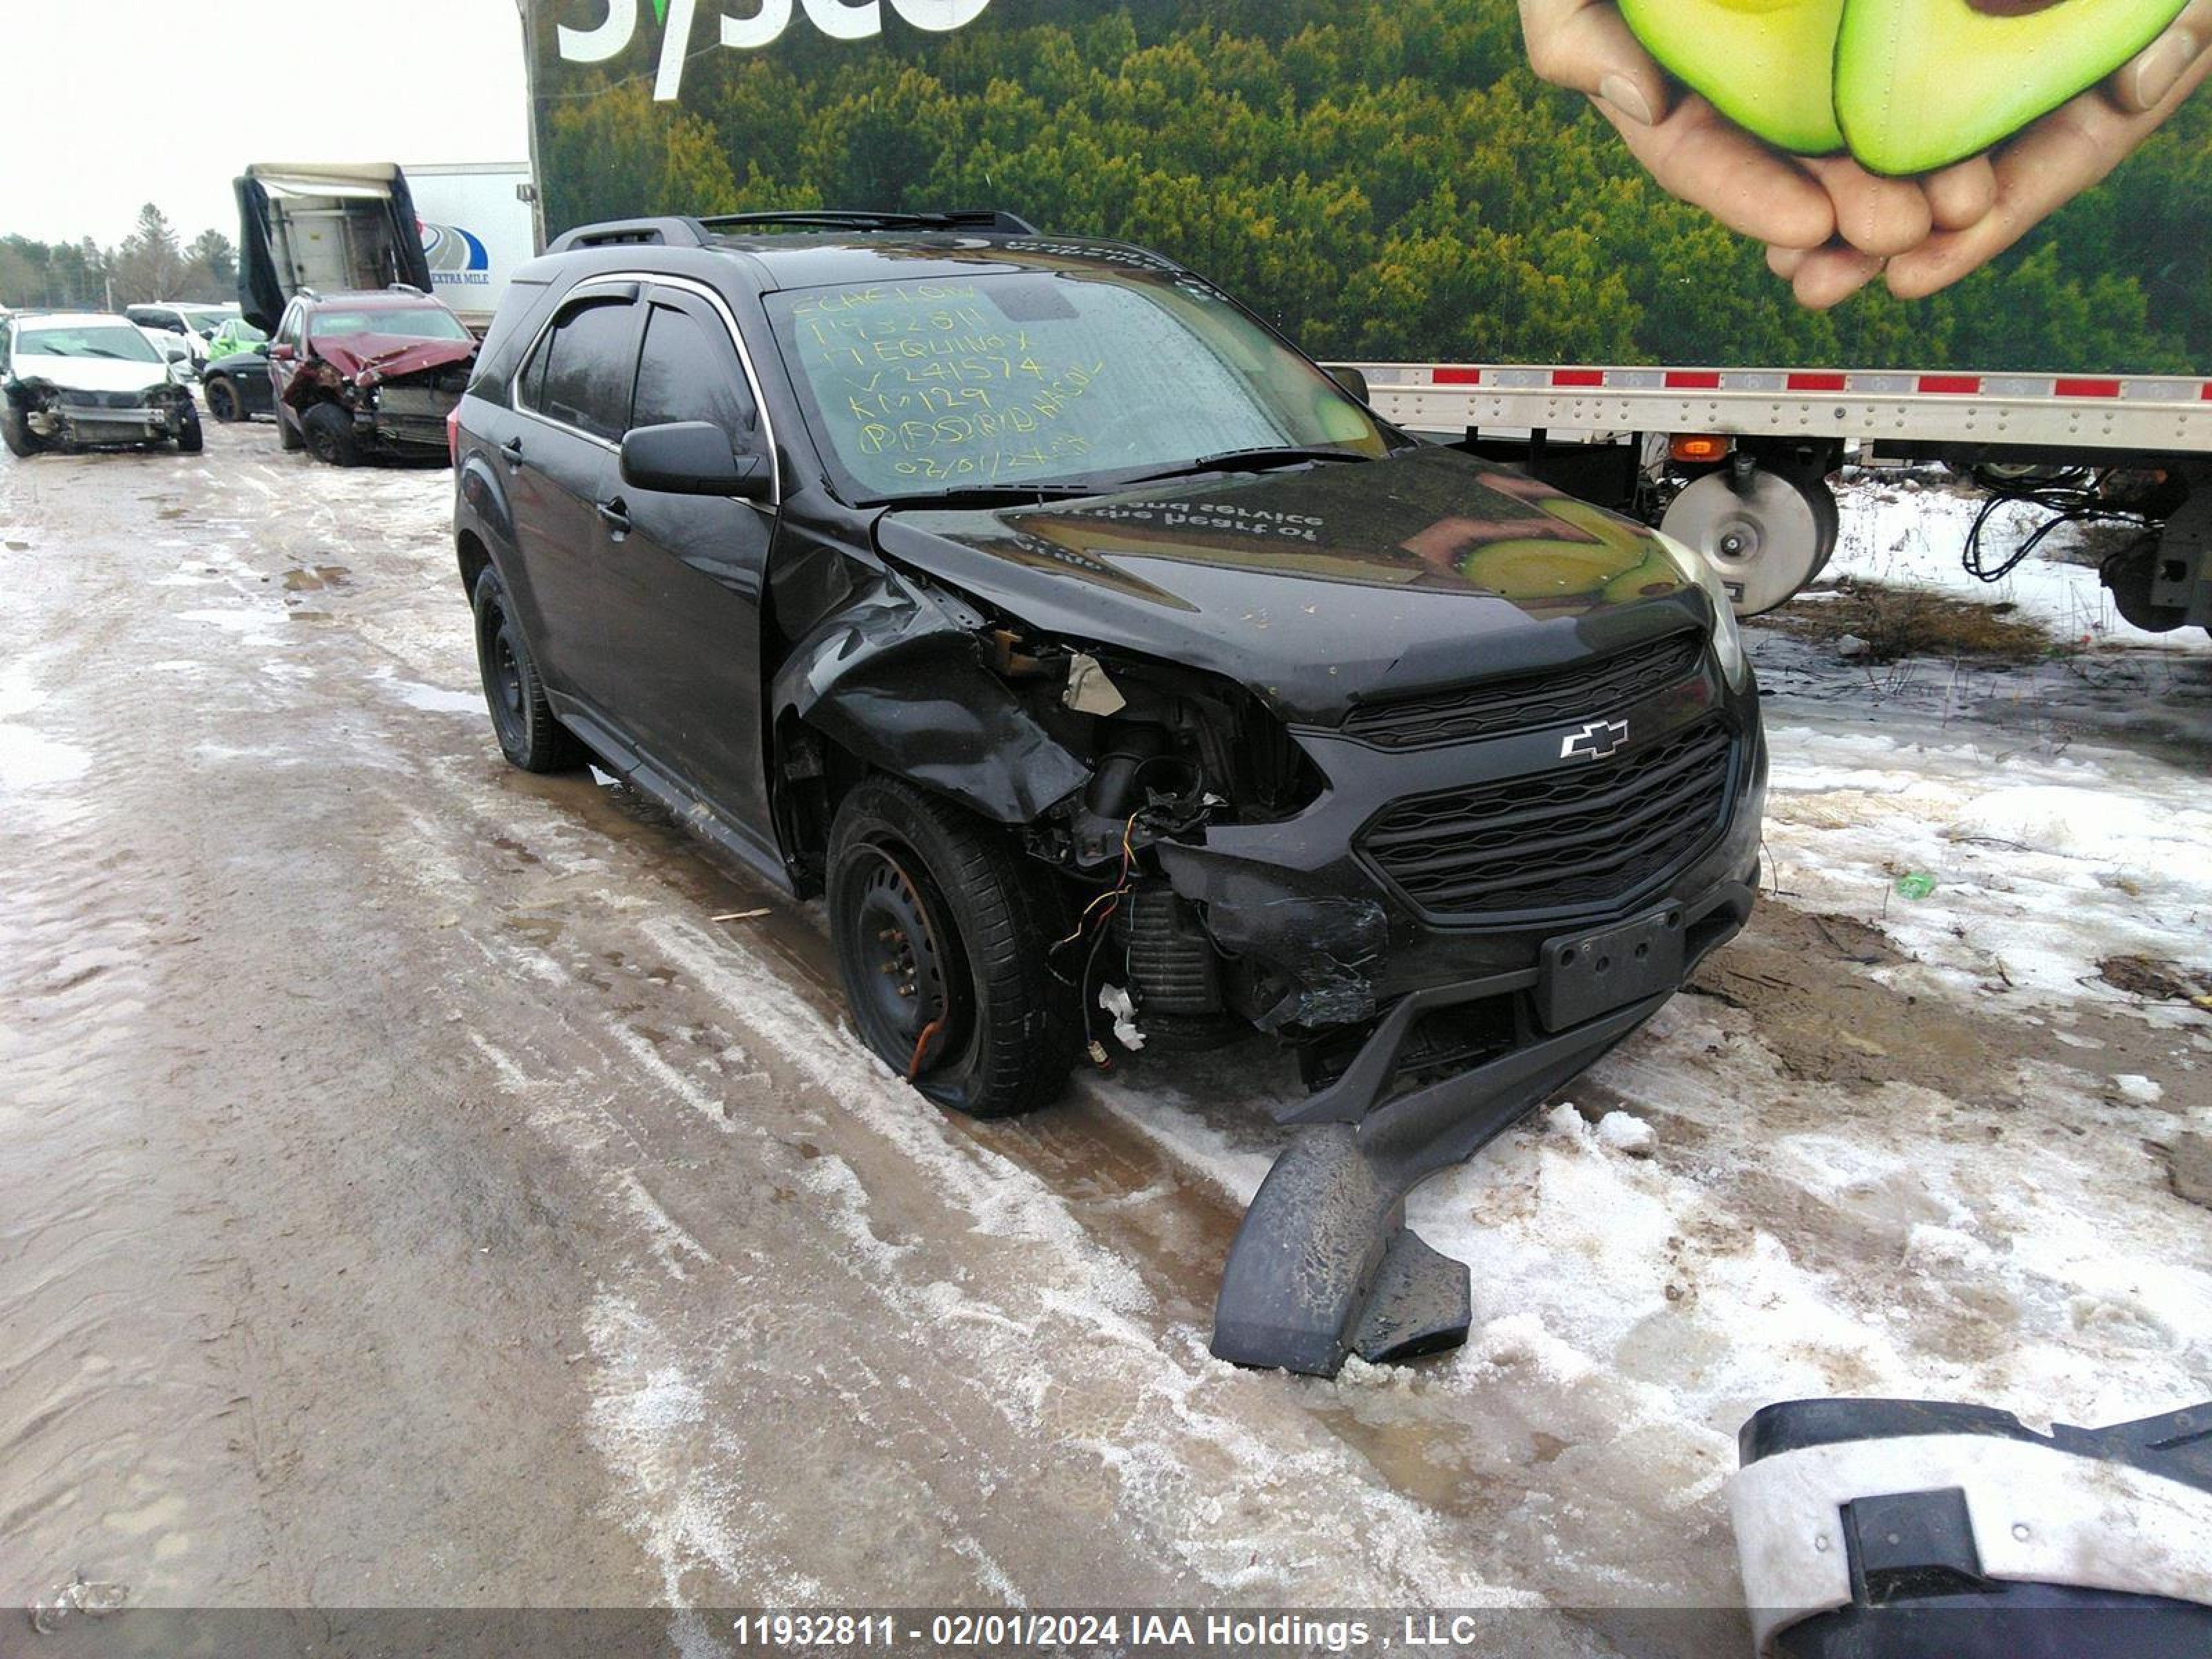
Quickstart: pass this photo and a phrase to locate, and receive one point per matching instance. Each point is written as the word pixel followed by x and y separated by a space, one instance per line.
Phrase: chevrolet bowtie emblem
pixel 1598 740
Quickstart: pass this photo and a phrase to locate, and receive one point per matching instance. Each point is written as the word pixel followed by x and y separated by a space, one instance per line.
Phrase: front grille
pixel 418 402
pixel 1525 702
pixel 74 399
pixel 1582 836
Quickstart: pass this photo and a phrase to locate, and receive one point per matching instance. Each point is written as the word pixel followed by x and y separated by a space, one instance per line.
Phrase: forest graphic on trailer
pixel 1382 181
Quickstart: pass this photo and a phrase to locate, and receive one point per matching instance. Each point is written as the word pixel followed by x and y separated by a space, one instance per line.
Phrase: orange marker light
pixel 1700 448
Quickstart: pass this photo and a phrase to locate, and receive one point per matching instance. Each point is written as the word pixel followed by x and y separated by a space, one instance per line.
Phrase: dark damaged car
pixel 367 374
pixel 87 379
pixel 1118 677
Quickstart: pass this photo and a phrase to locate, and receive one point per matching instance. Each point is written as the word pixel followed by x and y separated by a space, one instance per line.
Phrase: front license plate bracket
pixel 1586 975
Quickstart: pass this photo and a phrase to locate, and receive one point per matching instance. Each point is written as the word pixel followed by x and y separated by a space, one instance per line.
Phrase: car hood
pixel 88 374
pixel 1323 588
pixel 389 354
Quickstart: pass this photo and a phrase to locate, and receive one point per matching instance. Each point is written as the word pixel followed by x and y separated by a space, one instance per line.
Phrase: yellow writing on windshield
pixel 926 381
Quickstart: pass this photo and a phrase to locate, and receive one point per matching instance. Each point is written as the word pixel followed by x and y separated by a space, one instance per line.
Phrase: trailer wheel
pixel 2130 578
pixel 1768 532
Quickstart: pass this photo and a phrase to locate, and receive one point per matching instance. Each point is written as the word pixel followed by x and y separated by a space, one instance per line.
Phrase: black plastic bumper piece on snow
pixel 1323 1265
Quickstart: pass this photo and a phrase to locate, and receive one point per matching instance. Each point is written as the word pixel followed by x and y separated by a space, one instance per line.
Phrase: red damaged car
pixel 367 373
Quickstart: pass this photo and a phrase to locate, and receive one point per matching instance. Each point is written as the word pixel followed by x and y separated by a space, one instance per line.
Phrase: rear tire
pixel 16 434
pixel 223 400
pixel 330 435
pixel 530 734
pixel 942 931
pixel 287 434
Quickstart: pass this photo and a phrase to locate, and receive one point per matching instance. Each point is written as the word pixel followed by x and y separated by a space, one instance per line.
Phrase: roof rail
pixel 684 232
pixel 303 291
pixel 986 219
pixel 619 233
pixel 405 288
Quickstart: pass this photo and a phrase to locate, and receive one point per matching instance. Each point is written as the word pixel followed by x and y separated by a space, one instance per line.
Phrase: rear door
pixel 683 583
pixel 290 333
pixel 571 404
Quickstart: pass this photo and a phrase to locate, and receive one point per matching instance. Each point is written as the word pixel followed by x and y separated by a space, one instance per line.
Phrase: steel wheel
pixel 908 961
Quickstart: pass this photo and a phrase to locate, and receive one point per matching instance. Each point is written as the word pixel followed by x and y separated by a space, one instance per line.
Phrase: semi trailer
pixel 1736 462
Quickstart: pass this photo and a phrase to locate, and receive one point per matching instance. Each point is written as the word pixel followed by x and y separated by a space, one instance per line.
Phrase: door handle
pixel 513 450
pixel 615 514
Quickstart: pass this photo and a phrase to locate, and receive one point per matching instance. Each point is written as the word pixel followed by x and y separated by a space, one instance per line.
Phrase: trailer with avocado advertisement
pixel 1684 257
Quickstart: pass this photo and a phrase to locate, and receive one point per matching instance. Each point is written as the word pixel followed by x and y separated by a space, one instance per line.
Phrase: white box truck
pixel 479 221
pixel 456 230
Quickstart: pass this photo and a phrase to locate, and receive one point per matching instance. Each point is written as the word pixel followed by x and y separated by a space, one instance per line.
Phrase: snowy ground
pixel 365 1095
pixel 1905 531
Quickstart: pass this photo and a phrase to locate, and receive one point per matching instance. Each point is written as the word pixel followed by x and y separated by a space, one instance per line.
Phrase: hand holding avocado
pixel 1808 125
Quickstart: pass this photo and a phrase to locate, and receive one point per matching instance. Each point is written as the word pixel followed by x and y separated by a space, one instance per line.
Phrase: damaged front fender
pixel 897 681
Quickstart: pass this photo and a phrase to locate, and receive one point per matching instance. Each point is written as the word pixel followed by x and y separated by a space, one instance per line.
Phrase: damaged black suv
pixel 1085 643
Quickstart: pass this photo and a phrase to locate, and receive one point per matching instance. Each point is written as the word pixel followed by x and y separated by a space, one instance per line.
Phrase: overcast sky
pixel 112 103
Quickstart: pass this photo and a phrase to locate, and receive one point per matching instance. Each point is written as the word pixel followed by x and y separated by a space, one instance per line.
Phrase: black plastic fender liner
pixel 1323 1265
pixel 898 682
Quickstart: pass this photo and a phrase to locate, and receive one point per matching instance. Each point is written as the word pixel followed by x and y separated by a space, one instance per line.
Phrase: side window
pixel 582 372
pixel 288 329
pixel 687 371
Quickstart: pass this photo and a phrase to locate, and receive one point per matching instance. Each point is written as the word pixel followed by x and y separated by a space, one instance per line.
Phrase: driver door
pixel 682 575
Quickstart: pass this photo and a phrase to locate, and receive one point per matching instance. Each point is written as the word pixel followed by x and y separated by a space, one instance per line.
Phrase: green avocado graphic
pixel 1656 574
pixel 1531 569
pixel 1908 86
pixel 1768 65
pixel 1923 83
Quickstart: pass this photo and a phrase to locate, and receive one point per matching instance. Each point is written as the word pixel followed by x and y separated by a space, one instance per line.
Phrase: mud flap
pixel 1323 1265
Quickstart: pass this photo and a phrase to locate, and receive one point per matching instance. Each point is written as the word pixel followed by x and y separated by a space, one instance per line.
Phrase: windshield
pixel 398 322
pixel 115 340
pixel 204 323
pixel 1046 378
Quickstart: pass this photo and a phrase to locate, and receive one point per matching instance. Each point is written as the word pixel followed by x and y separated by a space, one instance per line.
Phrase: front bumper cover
pixel 1322 1265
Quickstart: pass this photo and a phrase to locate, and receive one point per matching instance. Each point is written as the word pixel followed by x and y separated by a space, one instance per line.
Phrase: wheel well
pixel 811 775
pixel 474 557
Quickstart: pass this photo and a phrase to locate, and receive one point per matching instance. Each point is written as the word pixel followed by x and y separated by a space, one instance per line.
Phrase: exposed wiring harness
pixel 1096 921
pixel 2075 497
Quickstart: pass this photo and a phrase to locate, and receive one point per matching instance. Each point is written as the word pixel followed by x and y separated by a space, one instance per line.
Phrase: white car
pixel 72 379
pixel 181 322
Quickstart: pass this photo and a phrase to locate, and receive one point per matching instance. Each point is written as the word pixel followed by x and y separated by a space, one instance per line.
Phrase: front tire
pixel 330 435
pixel 530 734
pixel 190 438
pixel 942 931
pixel 221 399
pixel 16 434
pixel 288 435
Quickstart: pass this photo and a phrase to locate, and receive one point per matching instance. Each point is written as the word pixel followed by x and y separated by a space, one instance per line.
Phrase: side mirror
pixel 175 353
pixel 279 354
pixel 691 457
pixel 1352 380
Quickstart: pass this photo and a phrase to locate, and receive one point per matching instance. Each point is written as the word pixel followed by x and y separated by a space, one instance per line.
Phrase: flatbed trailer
pixel 1736 460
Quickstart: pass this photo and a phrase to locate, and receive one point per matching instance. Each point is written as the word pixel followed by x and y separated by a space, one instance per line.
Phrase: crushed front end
pixel 396 396
pixel 1450 816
